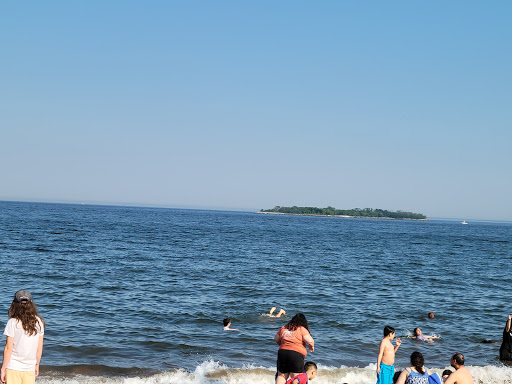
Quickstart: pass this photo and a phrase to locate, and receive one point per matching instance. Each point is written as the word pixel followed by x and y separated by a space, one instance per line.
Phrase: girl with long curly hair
pixel 24 344
pixel 292 340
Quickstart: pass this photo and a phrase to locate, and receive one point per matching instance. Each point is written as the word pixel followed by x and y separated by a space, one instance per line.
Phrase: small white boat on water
pixel 463 222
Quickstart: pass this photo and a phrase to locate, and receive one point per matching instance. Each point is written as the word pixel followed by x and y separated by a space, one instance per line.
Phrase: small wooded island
pixel 356 212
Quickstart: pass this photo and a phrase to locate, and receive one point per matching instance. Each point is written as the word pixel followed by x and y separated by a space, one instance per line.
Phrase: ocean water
pixel 137 295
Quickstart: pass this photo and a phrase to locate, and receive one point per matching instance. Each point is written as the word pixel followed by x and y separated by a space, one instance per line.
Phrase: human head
pixel 446 373
pixel 431 315
pixel 457 360
pixel 417 361
pixel 417 331
pixel 299 320
pixel 22 296
pixel 388 331
pixel 310 369
pixel 24 309
pixel 396 376
pixel 226 321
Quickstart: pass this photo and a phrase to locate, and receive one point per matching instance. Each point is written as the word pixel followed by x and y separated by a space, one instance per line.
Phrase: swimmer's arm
pixel 509 323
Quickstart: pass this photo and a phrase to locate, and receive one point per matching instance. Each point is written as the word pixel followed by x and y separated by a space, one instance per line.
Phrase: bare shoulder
pixel 467 376
pixel 460 376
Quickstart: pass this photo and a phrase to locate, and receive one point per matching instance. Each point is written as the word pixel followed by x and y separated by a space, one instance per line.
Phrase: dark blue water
pixel 148 288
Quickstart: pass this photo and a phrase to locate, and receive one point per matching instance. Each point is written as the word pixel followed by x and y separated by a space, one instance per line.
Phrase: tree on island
pixel 356 212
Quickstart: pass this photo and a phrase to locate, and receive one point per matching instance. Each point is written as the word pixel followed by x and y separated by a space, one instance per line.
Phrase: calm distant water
pixel 142 291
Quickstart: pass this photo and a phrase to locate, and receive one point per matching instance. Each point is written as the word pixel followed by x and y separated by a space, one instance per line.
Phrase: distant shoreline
pixel 343 216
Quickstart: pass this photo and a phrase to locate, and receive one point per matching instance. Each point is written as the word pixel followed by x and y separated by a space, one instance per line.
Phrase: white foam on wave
pixel 211 372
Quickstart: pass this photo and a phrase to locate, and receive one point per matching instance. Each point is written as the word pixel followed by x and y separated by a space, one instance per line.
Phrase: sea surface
pixel 137 295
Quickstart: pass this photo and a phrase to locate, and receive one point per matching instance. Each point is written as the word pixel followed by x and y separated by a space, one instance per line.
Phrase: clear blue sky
pixel 250 104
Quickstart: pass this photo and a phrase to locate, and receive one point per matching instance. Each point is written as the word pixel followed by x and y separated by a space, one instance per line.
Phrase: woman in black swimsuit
pixel 506 346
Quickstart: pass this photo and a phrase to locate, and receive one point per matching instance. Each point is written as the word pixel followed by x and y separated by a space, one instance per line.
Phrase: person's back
pixel 416 377
pixel 24 341
pixel 416 373
pixel 461 374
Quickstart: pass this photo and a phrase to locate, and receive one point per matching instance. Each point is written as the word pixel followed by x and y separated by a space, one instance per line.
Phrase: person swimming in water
pixel 422 337
pixel 280 313
pixel 227 325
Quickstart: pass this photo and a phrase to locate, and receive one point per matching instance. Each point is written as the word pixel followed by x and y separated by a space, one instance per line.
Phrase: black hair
pixel 458 358
pixel 226 321
pixel 308 365
pixel 447 372
pixel 396 376
pixel 416 331
pixel 388 329
pixel 417 361
pixel 299 320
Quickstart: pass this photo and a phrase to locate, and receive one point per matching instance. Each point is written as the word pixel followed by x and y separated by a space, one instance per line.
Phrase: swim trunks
pixel 386 374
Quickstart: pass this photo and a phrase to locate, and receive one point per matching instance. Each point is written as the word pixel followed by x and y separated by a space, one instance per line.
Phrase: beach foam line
pixel 211 372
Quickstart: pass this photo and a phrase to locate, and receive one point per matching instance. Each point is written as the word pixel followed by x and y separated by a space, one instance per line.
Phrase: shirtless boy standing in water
pixel 386 358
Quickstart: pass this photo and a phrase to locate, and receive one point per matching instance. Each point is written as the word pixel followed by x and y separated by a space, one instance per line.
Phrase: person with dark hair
pixel 396 376
pixel 461 374
pixel 310 370
pixel 446 374
pixel 422 337
pixel 24 341
pixel 386 357
pixel 416 373
pixel 292 340
pixel 431 315
pixel 227 324
pixel 506 345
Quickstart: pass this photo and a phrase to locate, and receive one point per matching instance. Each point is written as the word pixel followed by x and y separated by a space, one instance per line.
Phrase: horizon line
pixel 196 208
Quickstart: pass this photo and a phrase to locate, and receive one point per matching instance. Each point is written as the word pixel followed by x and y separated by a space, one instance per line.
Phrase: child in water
pixel 227 324
pixel 422 337
pixel 309 374
pixel 386 357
